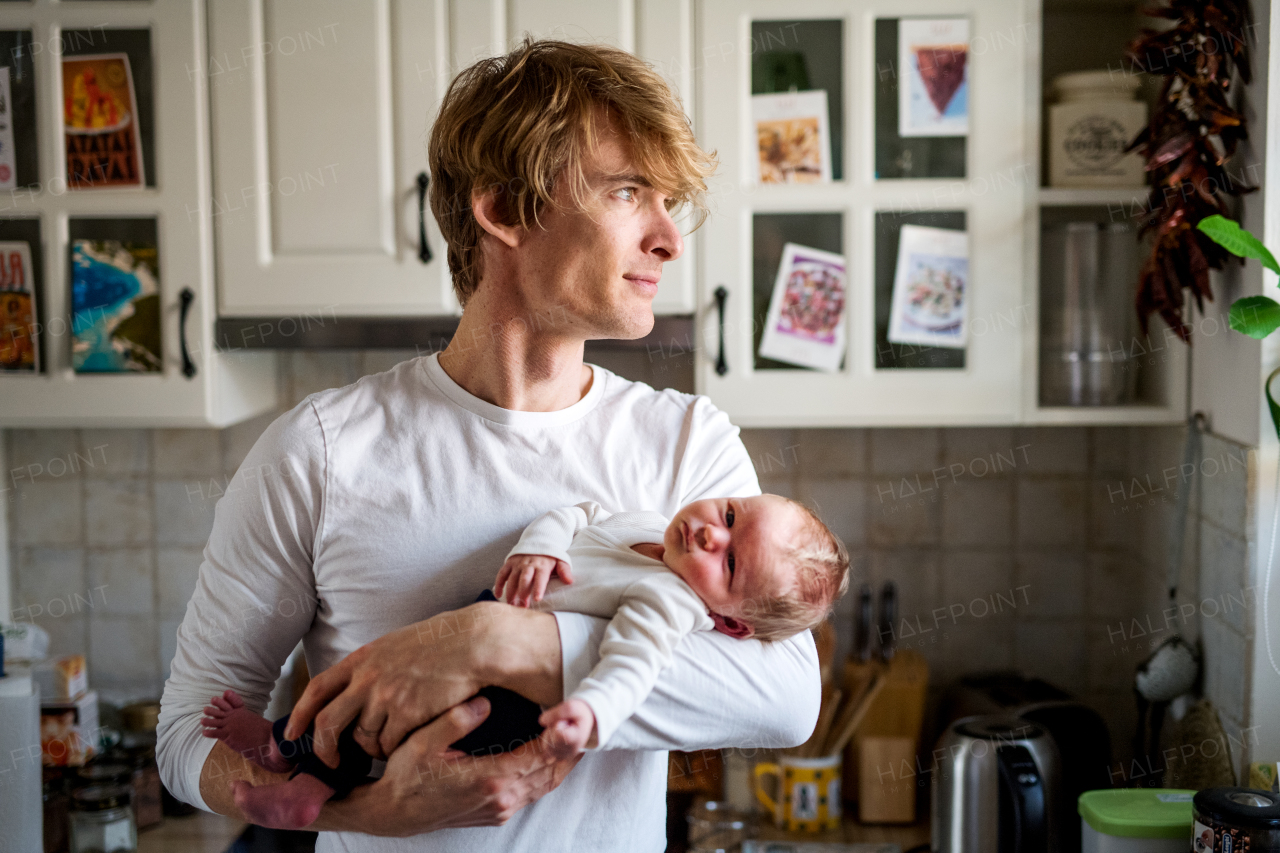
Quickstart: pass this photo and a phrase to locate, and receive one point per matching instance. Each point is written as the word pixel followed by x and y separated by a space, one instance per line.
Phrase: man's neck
pixel 512 360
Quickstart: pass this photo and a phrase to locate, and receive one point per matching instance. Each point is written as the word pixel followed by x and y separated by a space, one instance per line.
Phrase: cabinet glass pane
pixel 27 230
pixel 800 56
pixel 1091 353
pixel 887 231
pixel 16 47
pixel 136 44
pixel 906 156
pixel 770 232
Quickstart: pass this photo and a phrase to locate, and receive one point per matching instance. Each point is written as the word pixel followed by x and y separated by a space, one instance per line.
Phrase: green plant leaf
pixel 1255 316
pixel 1228 234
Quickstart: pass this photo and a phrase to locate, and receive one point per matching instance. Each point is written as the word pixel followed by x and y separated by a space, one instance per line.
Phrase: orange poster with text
pixel 100 122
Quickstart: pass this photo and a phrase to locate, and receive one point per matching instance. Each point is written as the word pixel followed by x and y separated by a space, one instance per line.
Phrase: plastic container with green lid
pixel 1135 820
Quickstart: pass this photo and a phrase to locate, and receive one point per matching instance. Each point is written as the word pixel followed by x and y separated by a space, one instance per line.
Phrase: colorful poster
pixel 19 348
pixel 930 288
pixel 100 120
pixel 115 304
pixel 806 320
pixel 933 86
pixel 792 137
pixel 8 158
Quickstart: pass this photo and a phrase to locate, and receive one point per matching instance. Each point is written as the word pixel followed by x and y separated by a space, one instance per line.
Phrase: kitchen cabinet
pixel 986 184
pixel 321 114
pixel 167 41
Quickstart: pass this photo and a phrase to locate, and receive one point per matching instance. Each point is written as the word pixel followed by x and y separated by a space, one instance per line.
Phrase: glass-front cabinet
pixel 107 299
pixel 867 260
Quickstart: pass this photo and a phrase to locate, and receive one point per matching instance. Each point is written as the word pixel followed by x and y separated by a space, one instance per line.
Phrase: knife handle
pixel 888 615
pixel 862 627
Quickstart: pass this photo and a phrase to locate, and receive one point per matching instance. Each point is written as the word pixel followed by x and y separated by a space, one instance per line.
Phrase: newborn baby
pixel 763 567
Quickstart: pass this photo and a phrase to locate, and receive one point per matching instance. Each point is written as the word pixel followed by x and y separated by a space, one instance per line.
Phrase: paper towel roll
pixel 21 804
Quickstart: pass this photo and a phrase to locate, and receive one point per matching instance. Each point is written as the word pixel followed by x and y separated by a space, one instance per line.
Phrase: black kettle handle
pixel 1022 795
pixel 424 251
pixel 721 294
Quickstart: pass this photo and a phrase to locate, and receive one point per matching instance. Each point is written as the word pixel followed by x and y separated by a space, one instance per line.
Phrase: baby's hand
pixel 525 578
pixel 568 727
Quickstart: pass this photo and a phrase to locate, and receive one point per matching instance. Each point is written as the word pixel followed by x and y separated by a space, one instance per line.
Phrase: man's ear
pixel 487 211
pixel 735 628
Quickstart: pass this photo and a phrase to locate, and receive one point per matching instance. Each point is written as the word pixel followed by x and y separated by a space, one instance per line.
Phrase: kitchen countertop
pixel 907 836
pixel 199 833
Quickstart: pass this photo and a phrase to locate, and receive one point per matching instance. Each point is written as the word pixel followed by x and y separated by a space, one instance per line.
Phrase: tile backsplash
pixel 1023 548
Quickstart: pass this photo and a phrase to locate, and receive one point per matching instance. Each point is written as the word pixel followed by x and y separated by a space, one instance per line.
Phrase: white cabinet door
pixel 321 114
pixel 988 194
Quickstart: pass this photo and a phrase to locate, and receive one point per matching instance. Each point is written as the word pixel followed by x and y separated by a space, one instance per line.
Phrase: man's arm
pixel 718 692
pixel 254 599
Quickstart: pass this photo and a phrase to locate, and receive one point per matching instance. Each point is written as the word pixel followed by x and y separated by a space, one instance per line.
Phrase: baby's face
pixel 729 550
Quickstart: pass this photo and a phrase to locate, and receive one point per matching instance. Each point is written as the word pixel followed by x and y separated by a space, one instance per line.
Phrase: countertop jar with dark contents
pixel 1235 820
pixel 102 820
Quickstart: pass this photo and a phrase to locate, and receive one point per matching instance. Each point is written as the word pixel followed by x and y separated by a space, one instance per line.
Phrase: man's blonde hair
pixel 821 564
pixel 517 124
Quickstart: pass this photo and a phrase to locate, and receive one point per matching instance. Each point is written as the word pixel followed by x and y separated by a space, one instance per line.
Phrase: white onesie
pixel 649 606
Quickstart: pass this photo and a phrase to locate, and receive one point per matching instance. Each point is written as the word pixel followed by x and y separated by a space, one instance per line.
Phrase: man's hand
pixel 525 577
pixel 568 727
pixel 405 679
pixel 428 786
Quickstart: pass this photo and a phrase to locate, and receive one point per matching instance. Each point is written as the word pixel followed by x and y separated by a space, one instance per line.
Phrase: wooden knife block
pixel 895 716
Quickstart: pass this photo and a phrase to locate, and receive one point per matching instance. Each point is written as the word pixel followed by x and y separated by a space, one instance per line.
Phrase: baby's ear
pixel 735 628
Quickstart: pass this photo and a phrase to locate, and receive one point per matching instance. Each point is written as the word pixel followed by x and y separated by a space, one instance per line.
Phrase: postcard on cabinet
pixel 19 322
pixel 930 288
pixel 100 122
pixel 933 82
pixel 792 137
pixel 806 320
pixel 115 303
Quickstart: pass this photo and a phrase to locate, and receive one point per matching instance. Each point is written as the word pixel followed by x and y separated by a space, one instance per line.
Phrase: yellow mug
pixel 808 792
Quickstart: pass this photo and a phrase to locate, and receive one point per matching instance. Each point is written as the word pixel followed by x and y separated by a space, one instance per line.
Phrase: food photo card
pixel 806 321
pixel 792 137
pixel 930 288
pixel 933 92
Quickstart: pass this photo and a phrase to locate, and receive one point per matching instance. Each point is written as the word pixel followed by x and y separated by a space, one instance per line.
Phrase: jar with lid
pixel 102 820
pixel 1092 123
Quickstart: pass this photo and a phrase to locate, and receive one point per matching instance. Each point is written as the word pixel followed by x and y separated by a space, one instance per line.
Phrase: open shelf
pixel 1093 197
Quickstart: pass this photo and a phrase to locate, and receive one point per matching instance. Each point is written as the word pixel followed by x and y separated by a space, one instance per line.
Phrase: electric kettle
pixel 995 787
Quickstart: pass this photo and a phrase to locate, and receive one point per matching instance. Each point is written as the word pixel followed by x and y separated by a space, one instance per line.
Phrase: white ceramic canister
pixel 1094 120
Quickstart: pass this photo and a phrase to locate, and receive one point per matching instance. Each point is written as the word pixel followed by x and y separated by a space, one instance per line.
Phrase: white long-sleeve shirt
pixel 650 607
pixel 374 506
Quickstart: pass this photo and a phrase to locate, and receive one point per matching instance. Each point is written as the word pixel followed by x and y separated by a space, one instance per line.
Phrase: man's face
pixel 598 268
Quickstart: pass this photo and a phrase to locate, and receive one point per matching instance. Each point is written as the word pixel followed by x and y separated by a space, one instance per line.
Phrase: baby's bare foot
pixel 293 805
pixel 228 720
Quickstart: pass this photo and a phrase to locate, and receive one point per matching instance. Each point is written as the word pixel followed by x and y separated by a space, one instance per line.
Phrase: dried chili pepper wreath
pixel 1194 131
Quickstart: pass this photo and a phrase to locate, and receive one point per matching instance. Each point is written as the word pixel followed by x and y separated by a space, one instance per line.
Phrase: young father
pixel 368 512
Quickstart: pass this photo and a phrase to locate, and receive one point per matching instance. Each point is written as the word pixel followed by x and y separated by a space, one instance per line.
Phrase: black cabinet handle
pixel 424 251
pixel 721 295
pixel 186 298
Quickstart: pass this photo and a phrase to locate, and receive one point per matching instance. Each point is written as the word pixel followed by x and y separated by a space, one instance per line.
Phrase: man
pixel 386 504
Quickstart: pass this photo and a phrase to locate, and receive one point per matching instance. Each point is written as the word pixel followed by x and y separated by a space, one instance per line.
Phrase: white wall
pixel 1265 677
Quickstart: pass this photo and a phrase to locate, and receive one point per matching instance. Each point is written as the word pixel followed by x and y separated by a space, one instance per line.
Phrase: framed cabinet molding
pixel 882 181
pixel 321 115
